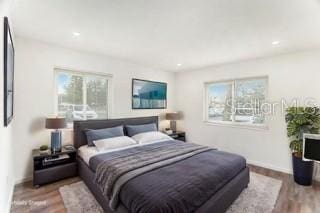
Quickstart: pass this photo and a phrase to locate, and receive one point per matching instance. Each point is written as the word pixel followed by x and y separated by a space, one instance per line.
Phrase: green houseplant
pixel 301 120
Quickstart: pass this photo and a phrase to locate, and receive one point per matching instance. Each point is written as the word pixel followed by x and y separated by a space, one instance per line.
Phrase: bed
pixel 208 181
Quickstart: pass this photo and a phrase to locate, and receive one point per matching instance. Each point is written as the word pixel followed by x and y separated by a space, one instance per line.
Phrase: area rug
pixel 260 196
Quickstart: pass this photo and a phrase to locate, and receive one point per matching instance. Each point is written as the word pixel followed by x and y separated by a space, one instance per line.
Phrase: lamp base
pixel 56 138
pixel 173 125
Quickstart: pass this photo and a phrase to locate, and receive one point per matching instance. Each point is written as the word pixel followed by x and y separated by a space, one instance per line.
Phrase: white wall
pixel 34 78
pixel 290 76
pixel 6 165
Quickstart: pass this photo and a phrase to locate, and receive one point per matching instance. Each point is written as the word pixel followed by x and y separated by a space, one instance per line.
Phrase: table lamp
pixel 56 136
pixel 173 117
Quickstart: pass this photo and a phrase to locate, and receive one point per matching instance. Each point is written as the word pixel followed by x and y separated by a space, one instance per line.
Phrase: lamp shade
pixel 55 123
pixel 173 116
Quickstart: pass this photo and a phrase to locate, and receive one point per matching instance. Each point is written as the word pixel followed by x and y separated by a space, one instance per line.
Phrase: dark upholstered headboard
pixel 80 138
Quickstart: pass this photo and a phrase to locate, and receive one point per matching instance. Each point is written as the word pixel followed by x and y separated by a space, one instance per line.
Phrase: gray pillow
pixel 136 129
pixel 97 134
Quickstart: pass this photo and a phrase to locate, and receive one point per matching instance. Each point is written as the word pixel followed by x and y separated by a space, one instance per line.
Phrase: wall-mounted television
pixel 149 94
pixel 8 73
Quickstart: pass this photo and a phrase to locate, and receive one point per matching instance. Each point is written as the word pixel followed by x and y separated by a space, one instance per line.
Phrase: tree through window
pixel 81 96
pixel 236 101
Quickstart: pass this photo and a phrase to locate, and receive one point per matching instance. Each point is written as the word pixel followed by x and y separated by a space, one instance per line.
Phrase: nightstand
pixel 178 135
pixel 50 167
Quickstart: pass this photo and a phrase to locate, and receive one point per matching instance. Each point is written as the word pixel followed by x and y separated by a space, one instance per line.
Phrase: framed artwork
pixel 149 94
pixel 8 73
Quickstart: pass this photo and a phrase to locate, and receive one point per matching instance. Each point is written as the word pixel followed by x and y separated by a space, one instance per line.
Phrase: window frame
pixel 233 123
pixel 108 77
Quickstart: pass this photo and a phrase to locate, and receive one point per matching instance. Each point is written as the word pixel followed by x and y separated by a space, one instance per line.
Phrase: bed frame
pixel 218 203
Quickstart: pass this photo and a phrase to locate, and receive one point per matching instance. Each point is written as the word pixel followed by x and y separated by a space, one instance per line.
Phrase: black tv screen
pixel 312 149
pixel 148 94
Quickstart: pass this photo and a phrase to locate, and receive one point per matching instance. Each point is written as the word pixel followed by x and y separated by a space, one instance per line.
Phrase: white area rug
pixel 260 196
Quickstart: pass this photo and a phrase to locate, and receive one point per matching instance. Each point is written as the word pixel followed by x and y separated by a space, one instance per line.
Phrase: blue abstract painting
pixel 148 94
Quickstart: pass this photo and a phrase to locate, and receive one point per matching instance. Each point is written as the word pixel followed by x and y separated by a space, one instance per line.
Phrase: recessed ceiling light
pixel 275 42
pixel 179 65
pixel 76 34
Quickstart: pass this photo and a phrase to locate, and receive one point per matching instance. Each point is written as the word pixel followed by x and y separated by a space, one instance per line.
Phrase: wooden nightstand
pixel 178 135
pixel 51 167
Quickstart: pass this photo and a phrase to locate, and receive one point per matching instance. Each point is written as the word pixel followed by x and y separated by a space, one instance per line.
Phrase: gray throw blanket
pixel 113 173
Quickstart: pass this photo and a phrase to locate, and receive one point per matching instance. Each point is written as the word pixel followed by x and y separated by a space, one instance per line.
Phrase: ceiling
pixel 164 33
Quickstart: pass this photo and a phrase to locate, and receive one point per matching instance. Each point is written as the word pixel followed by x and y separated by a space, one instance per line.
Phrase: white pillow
pixel 151 137
pixel 113 143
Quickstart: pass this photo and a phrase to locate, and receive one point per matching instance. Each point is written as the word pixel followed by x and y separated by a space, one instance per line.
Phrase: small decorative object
pixel 148 94
pixel 168 131
pixel 56 136
pixel 173 117
pixel 44 149
pixel 8 73
pixel 301 120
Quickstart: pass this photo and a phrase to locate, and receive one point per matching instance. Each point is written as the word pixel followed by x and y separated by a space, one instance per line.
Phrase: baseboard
pixel 269 166
pixel 23 180
pixel 8 207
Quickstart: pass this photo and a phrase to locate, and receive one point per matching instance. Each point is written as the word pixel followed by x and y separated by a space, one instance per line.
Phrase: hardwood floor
pixel 292 197
pixel 46 199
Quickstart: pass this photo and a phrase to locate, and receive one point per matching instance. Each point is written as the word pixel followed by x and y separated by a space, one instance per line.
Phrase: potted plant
pixel 301 120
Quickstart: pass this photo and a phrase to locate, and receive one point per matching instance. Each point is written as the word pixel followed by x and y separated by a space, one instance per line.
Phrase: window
pixel 237 101
pixel 81 96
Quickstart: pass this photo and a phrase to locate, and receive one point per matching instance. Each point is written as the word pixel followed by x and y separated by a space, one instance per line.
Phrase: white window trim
pixel 109 77
pixel 232 123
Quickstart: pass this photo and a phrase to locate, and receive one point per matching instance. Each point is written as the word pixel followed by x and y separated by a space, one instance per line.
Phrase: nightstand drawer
pixel 44 176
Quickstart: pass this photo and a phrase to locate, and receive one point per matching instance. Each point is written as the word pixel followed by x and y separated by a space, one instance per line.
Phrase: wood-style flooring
pixel 292 197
